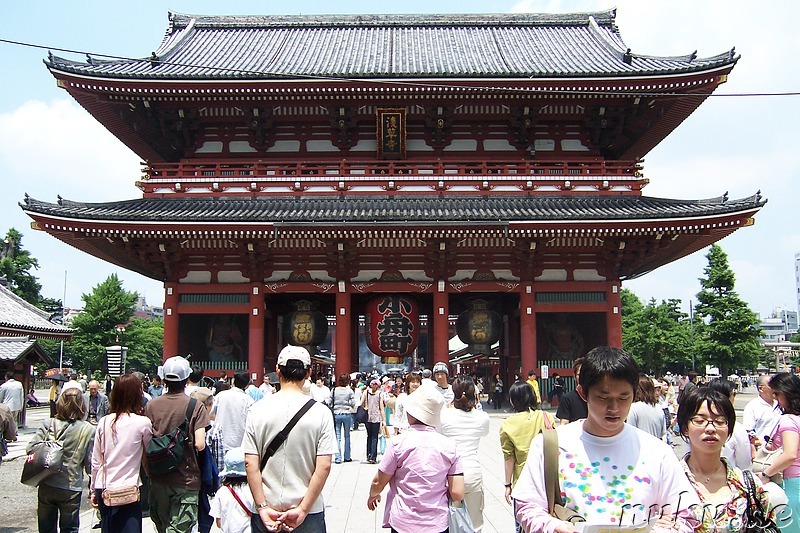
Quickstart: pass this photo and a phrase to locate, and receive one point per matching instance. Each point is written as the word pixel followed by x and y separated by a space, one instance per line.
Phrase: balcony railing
pixel 370 177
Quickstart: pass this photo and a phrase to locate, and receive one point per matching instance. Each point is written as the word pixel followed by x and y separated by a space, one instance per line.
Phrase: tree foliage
pixel 657 335
pixel 15 266
pixel 107 307
pixel 145 340
pixel 729 329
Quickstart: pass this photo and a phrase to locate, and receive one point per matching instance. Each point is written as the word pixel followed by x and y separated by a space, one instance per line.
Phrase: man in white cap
pixel 301 463
pixel 422 468
pixel 174 496
pixel 441 374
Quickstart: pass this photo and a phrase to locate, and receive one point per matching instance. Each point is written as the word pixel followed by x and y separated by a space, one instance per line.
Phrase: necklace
pixel 709 476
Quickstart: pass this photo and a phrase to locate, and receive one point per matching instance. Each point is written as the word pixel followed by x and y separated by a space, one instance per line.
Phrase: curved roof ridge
pixel 728 55
pixel 602 36
pixel 171 42
pixel 181 20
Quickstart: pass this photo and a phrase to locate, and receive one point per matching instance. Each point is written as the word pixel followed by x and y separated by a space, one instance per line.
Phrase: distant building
pixel 779 327
pixel 797 277
pixel 148 312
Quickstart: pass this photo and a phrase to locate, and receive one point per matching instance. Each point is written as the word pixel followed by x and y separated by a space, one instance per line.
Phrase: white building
pixel 779 327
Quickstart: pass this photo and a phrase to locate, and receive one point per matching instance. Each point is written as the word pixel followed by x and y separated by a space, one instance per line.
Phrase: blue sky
pixel 49 145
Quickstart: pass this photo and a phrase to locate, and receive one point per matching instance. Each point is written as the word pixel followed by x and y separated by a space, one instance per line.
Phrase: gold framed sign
pixel 391 126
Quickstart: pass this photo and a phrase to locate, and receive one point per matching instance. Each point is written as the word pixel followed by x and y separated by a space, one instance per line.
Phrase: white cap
pixel 176 369
pixel 294 353
pixel 425 404
pixel 441 367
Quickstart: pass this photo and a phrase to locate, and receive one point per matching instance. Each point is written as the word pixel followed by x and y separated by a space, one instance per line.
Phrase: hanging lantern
pixel 392 324
pixel 305 326
pixel 479 327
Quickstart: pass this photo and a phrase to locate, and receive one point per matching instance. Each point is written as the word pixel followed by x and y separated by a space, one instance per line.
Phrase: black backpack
pixel 165 453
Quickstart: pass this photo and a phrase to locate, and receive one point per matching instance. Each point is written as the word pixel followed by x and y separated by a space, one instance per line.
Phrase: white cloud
pixel 50 148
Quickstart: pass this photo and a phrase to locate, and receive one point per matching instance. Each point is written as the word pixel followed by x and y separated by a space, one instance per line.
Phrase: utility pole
pixel 61 350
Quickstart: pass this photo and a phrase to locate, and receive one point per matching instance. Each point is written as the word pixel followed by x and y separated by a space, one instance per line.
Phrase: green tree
pixel 145 341
pixel 108 306
pixel 15 265
pixel 657 335
pixel 728 329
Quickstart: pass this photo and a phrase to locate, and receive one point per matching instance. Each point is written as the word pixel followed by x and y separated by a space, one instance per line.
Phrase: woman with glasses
pixel 706 419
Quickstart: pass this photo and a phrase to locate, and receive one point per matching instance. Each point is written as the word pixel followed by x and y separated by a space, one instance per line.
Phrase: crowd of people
pixel 257 457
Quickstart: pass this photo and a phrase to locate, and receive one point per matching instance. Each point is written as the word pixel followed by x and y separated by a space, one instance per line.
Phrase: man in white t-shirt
pixel 320 392
pixel 611 473
pixel 441 374
pixel 266 387
pixel 230 410
pixel 302 463
pixel 761 414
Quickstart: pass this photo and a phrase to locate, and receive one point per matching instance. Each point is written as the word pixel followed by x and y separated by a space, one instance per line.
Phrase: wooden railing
pixel 415 177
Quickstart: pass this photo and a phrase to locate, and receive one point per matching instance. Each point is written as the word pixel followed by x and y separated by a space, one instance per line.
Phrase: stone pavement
pixel 347 487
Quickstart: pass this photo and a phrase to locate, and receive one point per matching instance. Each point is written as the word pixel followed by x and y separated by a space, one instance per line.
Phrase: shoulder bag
pixel 256 524
pixel 555 505
pixel 45 458
pixel 115 497
pixel 758 521
pixel 764 459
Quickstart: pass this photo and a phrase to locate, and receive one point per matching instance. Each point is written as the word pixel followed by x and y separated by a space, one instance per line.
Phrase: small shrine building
pixel 479 166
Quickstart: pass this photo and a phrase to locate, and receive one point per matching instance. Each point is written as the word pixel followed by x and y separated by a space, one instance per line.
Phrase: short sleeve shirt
pixel 788 423
pixel 419 461
pixel 167 412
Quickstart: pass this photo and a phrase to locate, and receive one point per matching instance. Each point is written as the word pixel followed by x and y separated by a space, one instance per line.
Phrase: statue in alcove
pixel 224 340
pixel 564 341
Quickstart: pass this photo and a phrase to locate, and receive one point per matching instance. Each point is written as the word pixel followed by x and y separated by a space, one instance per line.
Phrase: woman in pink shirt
pixel 421 468
pixel 121 438
pixel 786 387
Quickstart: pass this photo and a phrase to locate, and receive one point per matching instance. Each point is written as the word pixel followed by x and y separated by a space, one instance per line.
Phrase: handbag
pixel 458 518
pixel 45 458
pixel 758 521
pixel 361 415
pixel 764 459
pixel 116 497
pixel 555 505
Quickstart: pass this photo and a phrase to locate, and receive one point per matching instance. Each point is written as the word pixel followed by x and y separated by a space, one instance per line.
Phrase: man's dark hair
pixel 241 379
pixel 197 374
pixel 577 364
pixel 522 397
pixel 175 386
pixel 725 386
pixel 531 373
pixel 294 371
pixel 607 362
pixel 9 374
pixel 692 375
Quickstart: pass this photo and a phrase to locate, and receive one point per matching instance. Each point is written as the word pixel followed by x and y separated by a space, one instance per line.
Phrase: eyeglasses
pixel 701 422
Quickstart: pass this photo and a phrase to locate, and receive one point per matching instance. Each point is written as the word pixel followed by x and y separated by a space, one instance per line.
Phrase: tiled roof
pixel 392 46
pixel 380 209
pixel 18 317
pixel 11 348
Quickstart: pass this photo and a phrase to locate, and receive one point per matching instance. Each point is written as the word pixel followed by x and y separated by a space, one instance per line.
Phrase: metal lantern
pixel 392 323
pixel 479 327
pixel 305 326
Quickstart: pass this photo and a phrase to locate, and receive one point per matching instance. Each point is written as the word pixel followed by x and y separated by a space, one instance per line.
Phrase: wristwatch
pixel 262 505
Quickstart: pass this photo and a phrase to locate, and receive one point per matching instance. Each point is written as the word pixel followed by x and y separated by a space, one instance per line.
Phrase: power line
pixel 265 74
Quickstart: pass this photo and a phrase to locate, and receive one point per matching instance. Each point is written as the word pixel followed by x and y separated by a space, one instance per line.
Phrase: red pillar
pixel 441 328
pixel 271 350
pixel 255 349
pixel 344 323
pixel 171 300
pixel 614 315
pixel 527 331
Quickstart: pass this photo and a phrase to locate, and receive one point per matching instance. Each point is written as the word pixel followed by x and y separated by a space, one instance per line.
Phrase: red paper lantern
pixel 392 323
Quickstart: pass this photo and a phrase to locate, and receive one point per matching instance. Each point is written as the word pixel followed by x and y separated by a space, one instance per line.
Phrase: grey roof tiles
pixel 517 46
pixel 17 315
pixel 396 209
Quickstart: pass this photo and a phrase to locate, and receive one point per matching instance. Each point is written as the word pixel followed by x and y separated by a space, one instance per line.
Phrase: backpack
pixel 165 453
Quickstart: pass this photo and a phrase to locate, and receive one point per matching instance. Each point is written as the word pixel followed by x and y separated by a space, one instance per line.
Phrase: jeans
pixel 59 509
pixel 373 428
pixel 342 424
pixel 121 519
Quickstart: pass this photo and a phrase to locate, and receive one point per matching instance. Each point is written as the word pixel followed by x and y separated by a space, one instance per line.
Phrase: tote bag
pixel 44 460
